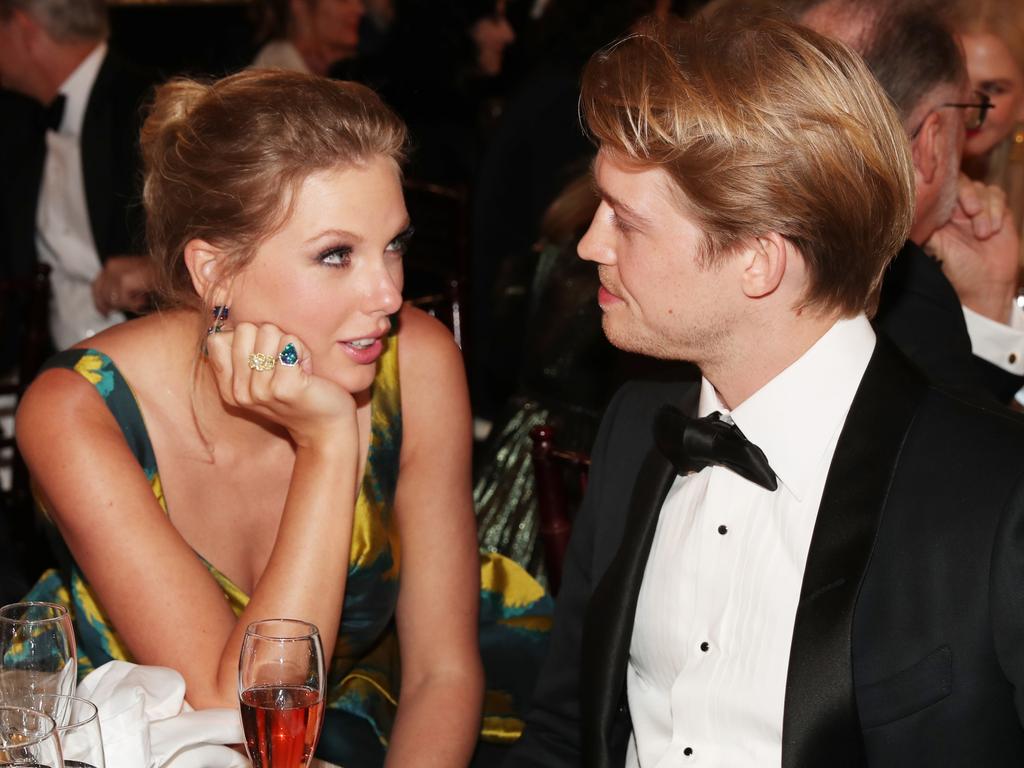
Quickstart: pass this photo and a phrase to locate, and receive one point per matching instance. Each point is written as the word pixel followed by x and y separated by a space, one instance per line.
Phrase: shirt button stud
pixel 705 647
pixel 688 751
pixel 723 530
pixel 1013 358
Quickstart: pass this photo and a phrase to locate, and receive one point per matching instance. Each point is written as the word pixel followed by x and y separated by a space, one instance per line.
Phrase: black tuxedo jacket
pixel 110 169
pixel 920 311
pixel 908 644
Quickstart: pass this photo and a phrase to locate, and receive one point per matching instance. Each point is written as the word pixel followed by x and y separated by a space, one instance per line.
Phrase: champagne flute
pixel 78 729
pixel 281 688
pixel 28 738
pixel 37 652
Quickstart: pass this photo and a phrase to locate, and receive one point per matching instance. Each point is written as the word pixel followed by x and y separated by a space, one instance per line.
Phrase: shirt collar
pixel 795 417
pixel 76 90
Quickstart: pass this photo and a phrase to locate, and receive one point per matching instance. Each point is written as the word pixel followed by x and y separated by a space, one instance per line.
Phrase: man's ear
pixel 766 261
pixel 32 36
pixel 926 149
pixel 204 262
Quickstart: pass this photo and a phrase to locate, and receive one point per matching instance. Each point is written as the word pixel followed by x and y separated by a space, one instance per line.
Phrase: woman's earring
pixel 220 315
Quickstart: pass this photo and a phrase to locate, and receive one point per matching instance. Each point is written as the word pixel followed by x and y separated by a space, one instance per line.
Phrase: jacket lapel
pixel 820 723
pixel 97 156
pixel 608 624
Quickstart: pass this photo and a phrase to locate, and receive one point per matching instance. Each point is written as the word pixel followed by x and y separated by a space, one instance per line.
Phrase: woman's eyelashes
pixel 401 241
pixel 341 255
pixel 337 256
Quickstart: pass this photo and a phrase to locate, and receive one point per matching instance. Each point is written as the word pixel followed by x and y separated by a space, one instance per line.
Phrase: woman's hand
pixel 312 408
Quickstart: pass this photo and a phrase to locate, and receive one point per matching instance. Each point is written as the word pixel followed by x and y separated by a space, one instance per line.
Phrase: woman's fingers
pixel 219 348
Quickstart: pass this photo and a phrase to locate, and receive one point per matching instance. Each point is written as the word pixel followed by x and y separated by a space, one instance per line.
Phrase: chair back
pixel 446 307
pixel 437 263
pixel 554 469
pixel 24 311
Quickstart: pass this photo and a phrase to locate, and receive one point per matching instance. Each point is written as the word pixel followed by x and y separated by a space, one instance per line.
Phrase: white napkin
pixel 146 722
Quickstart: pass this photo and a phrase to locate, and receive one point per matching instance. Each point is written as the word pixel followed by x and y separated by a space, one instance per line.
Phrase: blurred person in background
pixel 444 64
pixel 948 297
pixel 308 35
pixel 70 195
pixel 992 34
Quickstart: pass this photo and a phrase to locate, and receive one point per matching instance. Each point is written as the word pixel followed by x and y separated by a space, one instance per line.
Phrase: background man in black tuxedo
pixel 70 194
pixel 828 571
pixel 958 251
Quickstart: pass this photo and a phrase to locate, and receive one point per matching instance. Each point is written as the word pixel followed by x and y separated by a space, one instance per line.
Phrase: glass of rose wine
pixel 281 689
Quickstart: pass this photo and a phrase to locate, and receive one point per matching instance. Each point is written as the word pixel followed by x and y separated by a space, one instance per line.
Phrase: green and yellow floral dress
pixel 363 681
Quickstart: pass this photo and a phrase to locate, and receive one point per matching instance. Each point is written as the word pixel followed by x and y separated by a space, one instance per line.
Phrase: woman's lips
pixel 363 354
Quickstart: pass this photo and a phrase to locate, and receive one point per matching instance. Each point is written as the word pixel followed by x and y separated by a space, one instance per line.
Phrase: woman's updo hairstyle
pixel 223 161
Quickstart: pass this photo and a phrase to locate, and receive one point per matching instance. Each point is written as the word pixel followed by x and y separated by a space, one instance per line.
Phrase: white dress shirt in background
pixel 280 54
pixel 706 679
pixel 64 237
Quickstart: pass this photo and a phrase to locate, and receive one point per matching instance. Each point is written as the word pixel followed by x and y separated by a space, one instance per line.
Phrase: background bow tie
pixel 692 444
pixel 53 114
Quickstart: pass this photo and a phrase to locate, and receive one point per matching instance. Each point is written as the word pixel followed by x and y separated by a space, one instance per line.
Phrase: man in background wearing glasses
pixel 948 298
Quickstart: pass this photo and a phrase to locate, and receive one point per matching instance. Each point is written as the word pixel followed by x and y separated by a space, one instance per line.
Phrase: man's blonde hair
pixel 764 126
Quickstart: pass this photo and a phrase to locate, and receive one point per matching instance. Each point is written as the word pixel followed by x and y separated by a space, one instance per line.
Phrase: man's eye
pixel 619 224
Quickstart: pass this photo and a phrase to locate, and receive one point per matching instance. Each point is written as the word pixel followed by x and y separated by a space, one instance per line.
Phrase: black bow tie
pixel 54 113
pixel 692 444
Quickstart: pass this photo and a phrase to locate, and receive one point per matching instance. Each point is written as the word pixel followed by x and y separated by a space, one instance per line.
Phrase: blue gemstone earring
pixel 220 315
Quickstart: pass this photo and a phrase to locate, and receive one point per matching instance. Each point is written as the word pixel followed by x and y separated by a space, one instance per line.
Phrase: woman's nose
pixel 385 292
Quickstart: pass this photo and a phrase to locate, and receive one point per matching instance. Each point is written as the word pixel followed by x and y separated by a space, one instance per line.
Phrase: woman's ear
pixel 203 262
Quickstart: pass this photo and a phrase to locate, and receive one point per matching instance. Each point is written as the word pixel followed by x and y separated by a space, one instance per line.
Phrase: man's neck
pixel 764 354
pixel 62 60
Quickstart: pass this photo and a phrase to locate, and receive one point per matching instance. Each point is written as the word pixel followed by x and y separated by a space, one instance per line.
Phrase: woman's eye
pixel 401 243
pixel 336 257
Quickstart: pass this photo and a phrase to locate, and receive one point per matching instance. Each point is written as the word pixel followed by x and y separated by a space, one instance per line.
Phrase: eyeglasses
pixel 974 113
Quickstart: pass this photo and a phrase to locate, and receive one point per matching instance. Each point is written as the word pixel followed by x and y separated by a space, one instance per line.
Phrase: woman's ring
pixel 261 362
pixel 289 356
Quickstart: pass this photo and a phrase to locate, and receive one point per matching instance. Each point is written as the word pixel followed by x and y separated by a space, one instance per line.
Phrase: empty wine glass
pixel 281 688
pixel 28 738
pixel 78 729
pixel 37 652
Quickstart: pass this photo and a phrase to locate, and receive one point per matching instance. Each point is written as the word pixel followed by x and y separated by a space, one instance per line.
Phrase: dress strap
pixel 100 371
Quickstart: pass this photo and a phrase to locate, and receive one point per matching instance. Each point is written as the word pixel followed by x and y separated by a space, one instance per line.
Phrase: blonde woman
pixel 270 443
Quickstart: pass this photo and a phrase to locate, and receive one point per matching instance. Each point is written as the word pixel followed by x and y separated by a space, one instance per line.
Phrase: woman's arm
pixel 153 587
pixel 439 709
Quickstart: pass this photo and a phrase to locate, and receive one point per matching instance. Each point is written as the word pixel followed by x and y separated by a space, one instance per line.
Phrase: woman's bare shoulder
pixel 141 350
pixel 425 344
pixel 433 378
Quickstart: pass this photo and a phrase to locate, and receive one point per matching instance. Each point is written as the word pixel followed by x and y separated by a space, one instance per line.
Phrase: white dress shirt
pixel 1001 344
pixel 709 654
pixel 64 237
pixel 280 54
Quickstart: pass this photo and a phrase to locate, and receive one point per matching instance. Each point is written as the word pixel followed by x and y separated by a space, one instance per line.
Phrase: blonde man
pixel 792 562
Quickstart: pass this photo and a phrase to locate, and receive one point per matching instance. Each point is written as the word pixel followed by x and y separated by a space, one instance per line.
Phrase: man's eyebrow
pixel 621 209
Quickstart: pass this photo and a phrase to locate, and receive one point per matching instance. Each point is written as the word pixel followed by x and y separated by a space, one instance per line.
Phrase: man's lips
pixel 606 297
